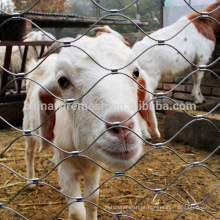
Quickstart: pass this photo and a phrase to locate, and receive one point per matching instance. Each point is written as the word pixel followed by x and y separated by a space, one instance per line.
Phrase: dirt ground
pixel 157 169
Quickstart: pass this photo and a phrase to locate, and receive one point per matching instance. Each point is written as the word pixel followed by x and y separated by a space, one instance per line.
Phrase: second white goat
pixel 196 42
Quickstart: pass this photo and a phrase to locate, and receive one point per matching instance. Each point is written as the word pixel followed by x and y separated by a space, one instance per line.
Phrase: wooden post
pixel 24 58
pixel 161 13
pixel 6 66
pixel 13 30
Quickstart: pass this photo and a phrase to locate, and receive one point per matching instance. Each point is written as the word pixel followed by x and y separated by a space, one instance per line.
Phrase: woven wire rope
pixel 155 146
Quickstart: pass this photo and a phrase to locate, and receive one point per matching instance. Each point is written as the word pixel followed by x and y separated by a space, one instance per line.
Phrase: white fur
pixel 16 59
pixel 162 62
pixel 75 130
pixel 107 29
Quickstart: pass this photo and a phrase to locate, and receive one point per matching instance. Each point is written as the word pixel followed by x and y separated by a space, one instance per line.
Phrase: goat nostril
pixel 121 131
pixel 120 124
pixel 112 129
pixel 118 131
pixel 131 125
pixel 115 130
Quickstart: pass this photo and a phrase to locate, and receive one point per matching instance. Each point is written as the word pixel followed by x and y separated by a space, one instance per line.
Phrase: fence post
pixel 7 62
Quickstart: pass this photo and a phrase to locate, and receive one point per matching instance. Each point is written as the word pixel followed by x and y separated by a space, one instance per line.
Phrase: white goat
pixel 33 52
pixel 196 42
pixel 70 74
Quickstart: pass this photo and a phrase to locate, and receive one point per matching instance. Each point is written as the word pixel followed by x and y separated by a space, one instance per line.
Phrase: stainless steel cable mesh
pixel 155 146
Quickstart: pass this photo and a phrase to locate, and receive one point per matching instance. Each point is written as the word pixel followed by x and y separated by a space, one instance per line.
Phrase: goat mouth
pixel 126 155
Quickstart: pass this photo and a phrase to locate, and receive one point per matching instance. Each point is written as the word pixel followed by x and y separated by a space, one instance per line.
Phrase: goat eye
pixel 136 73
pixel 63 81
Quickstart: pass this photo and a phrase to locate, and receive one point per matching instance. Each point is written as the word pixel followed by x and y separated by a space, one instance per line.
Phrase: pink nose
pixel 115 119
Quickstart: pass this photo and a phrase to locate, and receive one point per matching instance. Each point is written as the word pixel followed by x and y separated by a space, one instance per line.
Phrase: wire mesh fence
pixel 77 103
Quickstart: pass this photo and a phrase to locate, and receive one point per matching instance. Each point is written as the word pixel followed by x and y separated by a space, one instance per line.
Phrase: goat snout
pixel 122 143
pixel 117 127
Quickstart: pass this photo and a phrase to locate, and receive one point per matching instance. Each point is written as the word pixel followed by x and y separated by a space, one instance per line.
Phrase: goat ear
pixel 100 30
pixel 58 45
pixel 52 48
pixel 46 113
pixel 147 112
pixel 28 35
pixel 106 29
